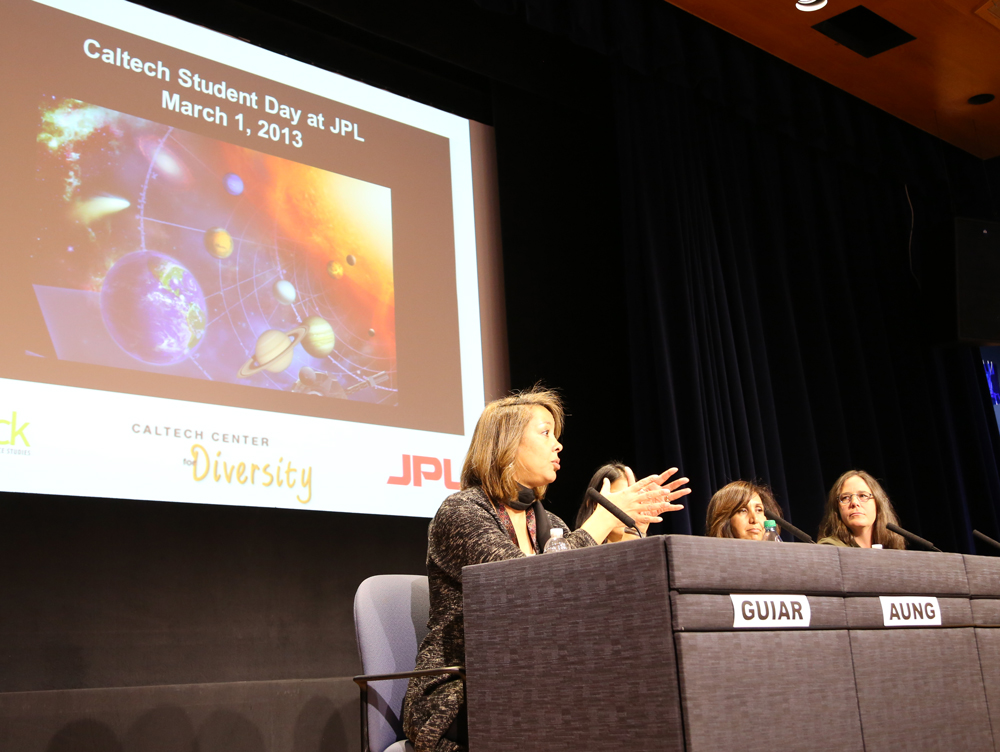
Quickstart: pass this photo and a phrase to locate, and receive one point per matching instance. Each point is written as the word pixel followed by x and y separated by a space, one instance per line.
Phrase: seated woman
pixel 613 478
pixel 498 515
pixel 737 511
pixel 857 510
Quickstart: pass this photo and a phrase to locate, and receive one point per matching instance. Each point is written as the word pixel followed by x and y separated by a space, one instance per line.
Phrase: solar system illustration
pixel 165 251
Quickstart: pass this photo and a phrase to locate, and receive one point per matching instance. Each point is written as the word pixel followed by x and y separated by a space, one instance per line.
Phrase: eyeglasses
pixel 863 497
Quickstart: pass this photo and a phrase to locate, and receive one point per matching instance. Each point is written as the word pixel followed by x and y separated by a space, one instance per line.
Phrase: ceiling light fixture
pixel 809 5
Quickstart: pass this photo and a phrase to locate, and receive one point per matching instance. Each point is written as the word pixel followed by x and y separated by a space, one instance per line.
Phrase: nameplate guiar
pixel 764 611
pixel 910 611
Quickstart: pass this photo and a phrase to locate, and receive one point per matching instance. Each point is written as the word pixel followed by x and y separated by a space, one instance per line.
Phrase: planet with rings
pixel 273 352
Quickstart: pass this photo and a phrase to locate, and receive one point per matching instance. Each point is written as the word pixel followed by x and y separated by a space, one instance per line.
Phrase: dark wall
pixel 114 593
pixel 244 616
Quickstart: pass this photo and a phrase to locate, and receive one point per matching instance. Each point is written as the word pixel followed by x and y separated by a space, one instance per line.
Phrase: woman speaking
pixel 498 515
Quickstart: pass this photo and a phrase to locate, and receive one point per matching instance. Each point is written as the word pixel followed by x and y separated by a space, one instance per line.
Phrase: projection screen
pixel 231 277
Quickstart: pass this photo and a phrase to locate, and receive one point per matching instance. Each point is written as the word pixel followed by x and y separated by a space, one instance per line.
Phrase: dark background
pixel 723 263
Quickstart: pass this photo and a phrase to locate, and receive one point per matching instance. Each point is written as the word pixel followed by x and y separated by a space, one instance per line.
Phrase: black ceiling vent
pixel 863 31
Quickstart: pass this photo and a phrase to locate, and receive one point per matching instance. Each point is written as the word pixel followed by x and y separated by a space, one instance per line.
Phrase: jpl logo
pixel 417 469
pixel 15 431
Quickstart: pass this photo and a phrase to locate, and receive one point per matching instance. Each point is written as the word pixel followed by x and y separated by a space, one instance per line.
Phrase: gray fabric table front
pixel 637 646
pixel 572 651
pixel 983 573
pixel 918 687
pixel 732 679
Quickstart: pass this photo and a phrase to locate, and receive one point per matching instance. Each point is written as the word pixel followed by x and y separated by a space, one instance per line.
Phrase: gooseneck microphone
pixel 986 539
pixel 915 539
pixel 785 525
pixel 598 498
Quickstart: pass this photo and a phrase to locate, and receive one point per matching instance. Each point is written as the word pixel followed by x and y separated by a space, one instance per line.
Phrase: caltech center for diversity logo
pixel 13 436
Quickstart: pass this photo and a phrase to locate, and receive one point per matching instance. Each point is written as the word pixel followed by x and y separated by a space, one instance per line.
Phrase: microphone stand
pixel 786 525
pixel 986 539
pixel 598 498
pixel 915 539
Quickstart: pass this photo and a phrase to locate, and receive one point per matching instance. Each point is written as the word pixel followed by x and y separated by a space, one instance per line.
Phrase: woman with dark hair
pixel 614 474
pixel 737 511
pixel 857 510
pixel 498 515
pixel 612 478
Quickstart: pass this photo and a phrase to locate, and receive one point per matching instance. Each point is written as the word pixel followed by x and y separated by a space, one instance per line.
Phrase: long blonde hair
pixel 833 525
pixel 490 462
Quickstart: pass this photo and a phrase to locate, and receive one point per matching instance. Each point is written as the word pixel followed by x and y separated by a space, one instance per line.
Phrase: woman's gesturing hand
pixel 646 499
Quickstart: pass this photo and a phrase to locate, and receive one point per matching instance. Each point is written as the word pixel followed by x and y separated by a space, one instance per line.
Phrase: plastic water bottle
pixel 771 531
pixel 556 542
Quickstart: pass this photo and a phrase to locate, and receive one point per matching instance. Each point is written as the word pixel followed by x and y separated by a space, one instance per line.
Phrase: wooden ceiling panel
pixel 926 82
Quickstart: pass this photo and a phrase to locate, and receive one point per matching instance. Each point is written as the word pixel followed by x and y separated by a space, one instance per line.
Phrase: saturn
pixel 273 351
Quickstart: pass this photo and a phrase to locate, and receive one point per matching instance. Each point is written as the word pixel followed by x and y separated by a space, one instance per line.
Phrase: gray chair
pixel 390 620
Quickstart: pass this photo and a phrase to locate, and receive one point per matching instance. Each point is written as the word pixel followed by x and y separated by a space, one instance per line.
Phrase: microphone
pixel 598 498
pixel 986 539
pixel 785 525
pixel 915 539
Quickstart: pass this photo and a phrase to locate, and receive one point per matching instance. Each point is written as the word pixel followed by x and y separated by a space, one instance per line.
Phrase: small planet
pixel 351 260
pixel 219 243
pixel 371 332
pixel 307 375
pixel 284 292
pixel 273 352
pixel 319 339
pixel 335 270
pixel 233 183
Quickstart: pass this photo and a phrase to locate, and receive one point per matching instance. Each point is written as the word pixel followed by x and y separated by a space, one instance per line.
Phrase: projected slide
pixel 236 279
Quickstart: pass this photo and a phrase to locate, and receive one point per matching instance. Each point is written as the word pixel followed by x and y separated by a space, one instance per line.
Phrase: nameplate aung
pixel 910 611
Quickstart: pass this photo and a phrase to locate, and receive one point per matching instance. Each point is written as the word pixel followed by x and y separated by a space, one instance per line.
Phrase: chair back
pixel 390 620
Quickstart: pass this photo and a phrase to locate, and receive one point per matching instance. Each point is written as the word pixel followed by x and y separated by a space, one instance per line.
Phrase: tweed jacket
pixel 466 530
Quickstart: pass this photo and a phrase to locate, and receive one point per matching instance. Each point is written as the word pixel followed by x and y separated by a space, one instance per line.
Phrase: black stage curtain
pixel 778 330
pixel 777 277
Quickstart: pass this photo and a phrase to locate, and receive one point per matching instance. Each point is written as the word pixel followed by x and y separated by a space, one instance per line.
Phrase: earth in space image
pixel 153 308
pixel 165 251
